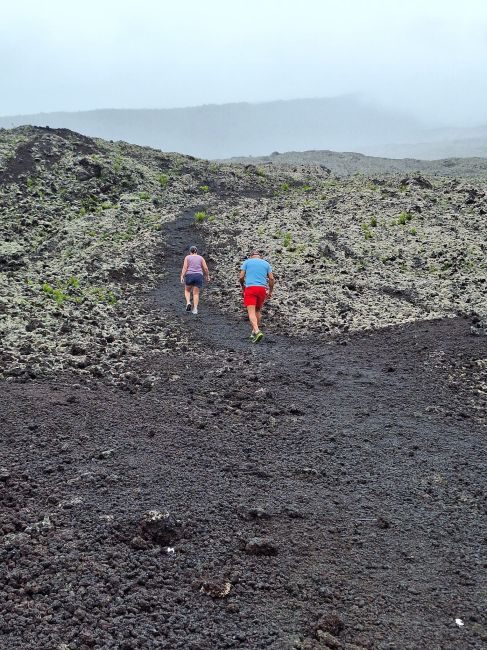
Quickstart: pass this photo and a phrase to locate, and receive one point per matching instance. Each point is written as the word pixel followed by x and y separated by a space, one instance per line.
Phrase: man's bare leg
pixel 252 312
pixel 258 314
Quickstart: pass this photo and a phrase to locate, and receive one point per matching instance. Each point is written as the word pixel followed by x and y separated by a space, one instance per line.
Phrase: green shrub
pixel 204 188
pixel 56 294
pixel 103 295
pixel 145 196
pixel 285 187
pixel 413 231
pixel 199 217
pixel 287 240
pixel 163 180
pixel 366 231
pixel 373 222
pixel 404 217
pixel 73 282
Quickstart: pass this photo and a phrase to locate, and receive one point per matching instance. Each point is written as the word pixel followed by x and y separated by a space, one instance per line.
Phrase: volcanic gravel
pixel 292 495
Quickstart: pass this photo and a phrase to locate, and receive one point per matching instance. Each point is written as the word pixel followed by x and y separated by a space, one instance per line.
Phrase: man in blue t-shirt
pixel 257 282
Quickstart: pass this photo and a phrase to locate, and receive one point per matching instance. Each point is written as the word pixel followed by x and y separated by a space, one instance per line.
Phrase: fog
pixel 428 59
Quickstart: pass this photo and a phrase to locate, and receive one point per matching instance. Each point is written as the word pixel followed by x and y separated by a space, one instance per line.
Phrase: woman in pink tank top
pixel 194 268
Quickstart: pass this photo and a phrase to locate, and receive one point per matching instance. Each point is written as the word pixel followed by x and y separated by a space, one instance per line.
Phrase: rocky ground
pixel 355 253
pixel 348 163
pixel 164 484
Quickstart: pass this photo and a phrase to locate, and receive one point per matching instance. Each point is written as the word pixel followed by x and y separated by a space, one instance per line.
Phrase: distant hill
pixel 345 164
pixel 221 131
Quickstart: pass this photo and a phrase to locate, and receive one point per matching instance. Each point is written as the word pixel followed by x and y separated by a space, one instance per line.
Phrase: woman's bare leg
pixel 187 294
pixel 196 297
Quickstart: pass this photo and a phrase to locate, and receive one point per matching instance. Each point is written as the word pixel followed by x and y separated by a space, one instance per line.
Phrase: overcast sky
pixel 428 57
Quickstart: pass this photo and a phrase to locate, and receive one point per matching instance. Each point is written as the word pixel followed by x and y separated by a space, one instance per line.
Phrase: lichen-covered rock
pixel 81 228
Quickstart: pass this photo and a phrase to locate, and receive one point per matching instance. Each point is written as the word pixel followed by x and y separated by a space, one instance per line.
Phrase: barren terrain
pixel 165 484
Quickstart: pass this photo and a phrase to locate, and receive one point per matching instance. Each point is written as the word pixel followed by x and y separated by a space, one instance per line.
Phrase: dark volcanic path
pixel 211 326
pixel 361 466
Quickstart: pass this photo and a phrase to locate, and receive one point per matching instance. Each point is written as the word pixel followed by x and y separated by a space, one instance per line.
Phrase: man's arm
pixel 241 279
pixel 270 277
pixel 184 269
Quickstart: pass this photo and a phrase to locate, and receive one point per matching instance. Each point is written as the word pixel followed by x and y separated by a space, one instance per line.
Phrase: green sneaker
pixel 258 337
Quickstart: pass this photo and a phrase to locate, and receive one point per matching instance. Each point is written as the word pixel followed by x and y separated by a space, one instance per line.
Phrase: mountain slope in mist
pixel 221 131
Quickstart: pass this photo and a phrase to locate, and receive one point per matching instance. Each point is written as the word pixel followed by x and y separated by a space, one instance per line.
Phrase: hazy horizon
pixel 426 60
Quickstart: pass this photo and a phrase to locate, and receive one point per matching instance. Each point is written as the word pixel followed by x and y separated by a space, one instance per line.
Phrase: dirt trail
pixel 211 326
pixel 341 483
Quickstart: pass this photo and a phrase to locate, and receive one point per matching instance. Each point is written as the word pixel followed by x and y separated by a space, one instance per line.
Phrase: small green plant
pixel 103 295
pixel 30 183
pixel 373 222
pixel 145 196
pixel 413 231
pixel 163 180
pixel 82 212
pixel 285 187
pixel 403 218
pixel 201 216
pixel 287 240
pixel 73 282
pixel 205 188
pixel 366 231
pixel 56 294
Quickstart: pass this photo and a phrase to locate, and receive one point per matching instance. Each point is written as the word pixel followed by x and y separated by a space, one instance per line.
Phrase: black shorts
pixel 193 280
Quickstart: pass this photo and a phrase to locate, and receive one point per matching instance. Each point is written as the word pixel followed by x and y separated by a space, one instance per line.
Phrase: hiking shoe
pixel 188 307
pixel 194 311
pixel 258 337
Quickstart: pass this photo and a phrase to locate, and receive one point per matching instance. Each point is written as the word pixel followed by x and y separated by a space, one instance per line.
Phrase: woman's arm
pixel 184 269
pixel 205 270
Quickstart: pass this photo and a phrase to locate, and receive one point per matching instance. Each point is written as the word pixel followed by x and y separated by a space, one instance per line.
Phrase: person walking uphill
pixel 257 282
pixel 194 268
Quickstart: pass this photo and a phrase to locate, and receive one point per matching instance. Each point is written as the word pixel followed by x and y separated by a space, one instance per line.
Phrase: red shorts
pixel 254 296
